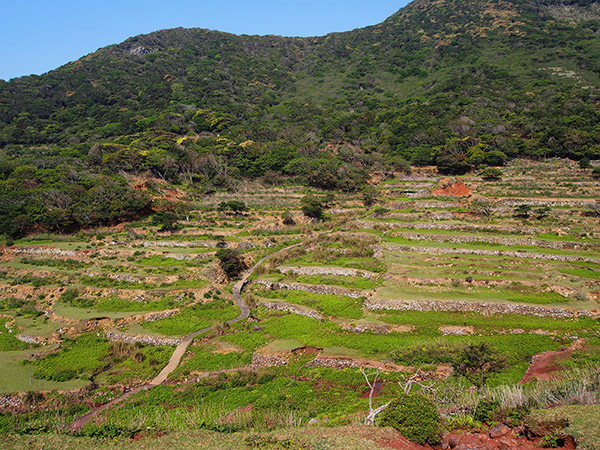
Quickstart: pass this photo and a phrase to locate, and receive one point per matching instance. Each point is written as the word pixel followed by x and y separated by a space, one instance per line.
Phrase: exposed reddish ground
pixel 457 189
pixel 544 366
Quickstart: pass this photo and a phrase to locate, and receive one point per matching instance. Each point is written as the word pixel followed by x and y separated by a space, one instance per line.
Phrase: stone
pixel 499 431
pixel 313 422
pixel 256 328
pixel 453 441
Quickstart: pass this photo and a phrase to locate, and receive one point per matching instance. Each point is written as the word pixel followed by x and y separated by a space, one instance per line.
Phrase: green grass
pixel 365 263
pixel 343 281
pixel 18 377
pixel 118 304
pixel 582 420
pixel 73 312
pixel 107 282
pixel 77 358
pixel 528 295
pixel 163 261
pixel 354 437
pixel 328 304
pixel 194 318
pixel 204 358
pixel 582 272
pixel 431 320
pixel 8 341
pixel 144 365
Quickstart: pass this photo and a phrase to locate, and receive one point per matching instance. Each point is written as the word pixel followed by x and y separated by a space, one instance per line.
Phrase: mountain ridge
pixel 462 84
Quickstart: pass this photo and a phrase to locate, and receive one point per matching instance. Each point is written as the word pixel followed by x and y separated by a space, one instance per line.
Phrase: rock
pixel 499 431
pixel 245 245
pixel 313 422
pixel 256 328
pixel 453 441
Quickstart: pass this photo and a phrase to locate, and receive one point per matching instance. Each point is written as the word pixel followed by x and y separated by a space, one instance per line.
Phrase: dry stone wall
pixel 557 245
pixel 478 307
pixel 46 251
pixel 115 336
pixel 336 271
pixel 310 288
pixel 332 363
pixel 481 252
pixel 450 227
pixel 277 306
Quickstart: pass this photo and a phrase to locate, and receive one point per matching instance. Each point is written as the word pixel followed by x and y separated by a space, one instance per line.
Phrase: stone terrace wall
pixel 292 309
pixel 481 252
pixel 332 363
pixel 337 271
pixel 483 308
pixel 557 245
pixel 310 288
pixel 115 336
pixel 450 227
pixel 46 251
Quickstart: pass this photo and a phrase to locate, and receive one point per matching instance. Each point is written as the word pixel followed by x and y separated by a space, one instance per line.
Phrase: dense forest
pixel 462 84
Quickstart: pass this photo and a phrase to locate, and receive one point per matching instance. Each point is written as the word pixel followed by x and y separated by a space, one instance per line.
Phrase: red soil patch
pixel 376 391
pixel 544 366
pixel 452 190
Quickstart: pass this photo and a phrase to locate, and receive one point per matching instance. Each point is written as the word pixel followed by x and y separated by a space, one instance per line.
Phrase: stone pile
pixel 332 363
pixel 260 360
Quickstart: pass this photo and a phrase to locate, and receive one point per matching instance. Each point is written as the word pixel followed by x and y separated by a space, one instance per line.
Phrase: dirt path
pixel 544 366
pixel 181 348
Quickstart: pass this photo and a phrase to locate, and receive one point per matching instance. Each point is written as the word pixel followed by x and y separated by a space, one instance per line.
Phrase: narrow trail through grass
pixel 181 348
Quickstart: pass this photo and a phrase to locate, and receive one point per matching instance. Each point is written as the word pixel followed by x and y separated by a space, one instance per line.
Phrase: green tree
pixel 167 220
pixel 477 362
pixel 312 207
pixel 231 262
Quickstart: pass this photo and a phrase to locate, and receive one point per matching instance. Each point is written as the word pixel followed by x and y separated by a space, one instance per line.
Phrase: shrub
pixel 415 417
pixel 486 410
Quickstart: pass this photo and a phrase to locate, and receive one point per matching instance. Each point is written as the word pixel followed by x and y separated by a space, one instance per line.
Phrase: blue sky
pixel 39 35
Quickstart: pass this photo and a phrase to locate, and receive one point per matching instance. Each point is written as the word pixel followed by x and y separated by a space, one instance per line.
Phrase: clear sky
pixel 40 35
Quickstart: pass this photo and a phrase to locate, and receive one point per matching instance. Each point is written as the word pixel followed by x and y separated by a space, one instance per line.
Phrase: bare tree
pixel 370 420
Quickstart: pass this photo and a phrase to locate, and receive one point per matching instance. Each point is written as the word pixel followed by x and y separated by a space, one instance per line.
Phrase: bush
pixel 491 174
pixel 486 410
pixel 415 417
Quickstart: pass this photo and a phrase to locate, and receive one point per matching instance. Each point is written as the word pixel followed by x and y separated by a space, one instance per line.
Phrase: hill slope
pixel 459 83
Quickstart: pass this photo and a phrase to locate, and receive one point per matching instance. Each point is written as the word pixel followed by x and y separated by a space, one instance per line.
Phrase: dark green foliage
pixel 7 340
pixel 486 410
pixel 491 174
pixel 167 220
pixel 231 262
pixel 522 211
pixel 477 362
pixel 80 357
pixel 234 206
pixel 415 417
pixel 193 106
pixel 312 207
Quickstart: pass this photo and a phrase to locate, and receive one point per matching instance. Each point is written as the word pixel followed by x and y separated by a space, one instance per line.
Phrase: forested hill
pixel 458 83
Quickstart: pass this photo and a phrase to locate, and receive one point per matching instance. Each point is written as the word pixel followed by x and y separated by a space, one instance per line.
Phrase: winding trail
pixel 181 348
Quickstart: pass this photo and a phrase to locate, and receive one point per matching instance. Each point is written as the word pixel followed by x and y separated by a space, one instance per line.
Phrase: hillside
pixel 457 83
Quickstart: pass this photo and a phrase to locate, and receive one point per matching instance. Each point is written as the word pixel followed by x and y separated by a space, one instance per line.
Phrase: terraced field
pixel 405 284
